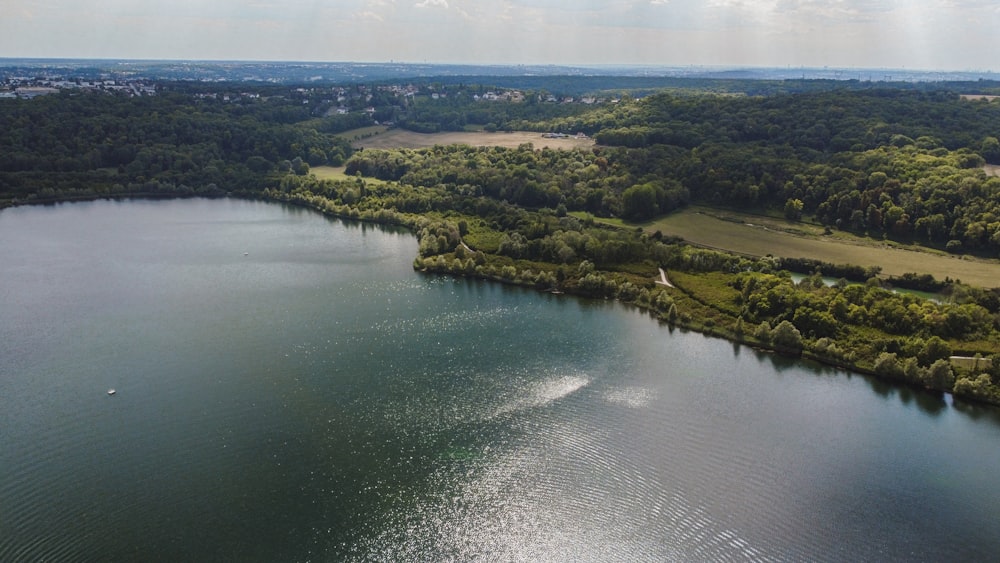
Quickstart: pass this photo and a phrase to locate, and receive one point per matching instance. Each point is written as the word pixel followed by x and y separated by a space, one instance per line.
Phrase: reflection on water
pixel 290 390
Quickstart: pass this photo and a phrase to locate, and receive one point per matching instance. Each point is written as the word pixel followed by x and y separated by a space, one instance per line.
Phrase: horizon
pixel 923 35
pixel 11 60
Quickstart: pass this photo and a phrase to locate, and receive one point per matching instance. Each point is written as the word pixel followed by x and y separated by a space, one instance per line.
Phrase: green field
pixel 336 173
pixel 760 236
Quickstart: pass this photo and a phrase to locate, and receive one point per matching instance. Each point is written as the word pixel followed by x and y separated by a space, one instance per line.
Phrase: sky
pixel 909 34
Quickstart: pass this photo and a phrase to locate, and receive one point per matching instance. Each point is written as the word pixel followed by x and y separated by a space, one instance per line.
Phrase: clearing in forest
pixel 760 236
pixel 337 173
pixel 403 139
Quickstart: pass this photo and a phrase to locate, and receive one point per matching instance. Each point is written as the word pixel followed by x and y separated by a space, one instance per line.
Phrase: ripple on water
pixel 631 397
pixel 542 393
pixel 566 485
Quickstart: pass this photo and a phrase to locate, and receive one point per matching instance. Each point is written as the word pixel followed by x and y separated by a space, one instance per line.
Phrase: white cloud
pixel 369 15
pixel 911 33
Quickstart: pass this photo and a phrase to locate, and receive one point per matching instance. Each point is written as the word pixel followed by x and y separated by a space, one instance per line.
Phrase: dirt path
pixel 663 279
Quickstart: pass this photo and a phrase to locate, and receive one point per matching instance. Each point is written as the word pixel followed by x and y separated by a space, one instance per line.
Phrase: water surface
pixel 288 389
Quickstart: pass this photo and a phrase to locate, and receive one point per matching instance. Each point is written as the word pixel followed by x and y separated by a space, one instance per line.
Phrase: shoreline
pixel 398 219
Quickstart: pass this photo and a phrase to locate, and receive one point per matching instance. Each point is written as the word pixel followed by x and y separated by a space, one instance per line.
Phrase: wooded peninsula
pixel 873 164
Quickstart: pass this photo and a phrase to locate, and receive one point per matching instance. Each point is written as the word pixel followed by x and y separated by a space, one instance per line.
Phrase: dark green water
pixel 317 400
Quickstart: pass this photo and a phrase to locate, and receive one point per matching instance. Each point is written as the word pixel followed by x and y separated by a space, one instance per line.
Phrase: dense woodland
pixel 905 164
pixel 81 145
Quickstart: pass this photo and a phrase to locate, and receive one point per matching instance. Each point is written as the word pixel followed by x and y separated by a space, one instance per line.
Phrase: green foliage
pixel 763 332
pixel 940 375
pixel 639 202
pixel 990 150
pixel 888 365
pixel 99 145
pixel 793 209
pixel 934 350
pixel 786 336
pixel 672 313
pixel 978 387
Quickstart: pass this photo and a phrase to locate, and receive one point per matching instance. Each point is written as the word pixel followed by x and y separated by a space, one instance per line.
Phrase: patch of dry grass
pixel 403 139
pixel 756 236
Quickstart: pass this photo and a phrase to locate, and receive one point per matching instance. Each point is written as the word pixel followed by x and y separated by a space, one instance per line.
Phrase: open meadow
pixel 337 173
pixel 403 139
pixel 760 236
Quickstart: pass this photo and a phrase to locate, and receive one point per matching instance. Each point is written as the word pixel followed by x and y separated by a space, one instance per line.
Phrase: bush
pixel 763 332
pixel 887 365
pixel 785 335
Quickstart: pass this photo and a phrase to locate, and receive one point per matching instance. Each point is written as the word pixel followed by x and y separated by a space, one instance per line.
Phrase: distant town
pixel 334 100
pixel 31 87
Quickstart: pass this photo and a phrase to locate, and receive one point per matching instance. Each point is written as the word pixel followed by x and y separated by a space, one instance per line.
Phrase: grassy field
pixel 337 173
pixel 403 139
pixel 992 170
pixel 759 236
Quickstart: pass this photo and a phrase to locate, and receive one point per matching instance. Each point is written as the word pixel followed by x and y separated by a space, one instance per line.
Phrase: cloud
pixel 369 15
pixel 914 33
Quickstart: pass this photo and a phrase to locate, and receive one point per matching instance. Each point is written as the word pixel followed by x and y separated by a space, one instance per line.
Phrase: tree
pixel 639 202
pixel 940 376
pixel 785 335
pixel 815 323
pixel 974 386
pixel 887 365
pixel 763 332
pixel 990 150
pixel 672 313
pixel 299 166
pixel 259 164
pixel 793 209
pixel 935 349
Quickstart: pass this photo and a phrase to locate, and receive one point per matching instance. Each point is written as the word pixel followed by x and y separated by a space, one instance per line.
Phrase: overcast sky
pixel 912 34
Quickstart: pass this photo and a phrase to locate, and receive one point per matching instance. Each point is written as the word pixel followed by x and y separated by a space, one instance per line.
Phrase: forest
pixel 900 164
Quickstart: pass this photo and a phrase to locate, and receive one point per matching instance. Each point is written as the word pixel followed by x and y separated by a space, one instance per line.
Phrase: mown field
pixel 337 173
pixel 403 139
pixel 757 236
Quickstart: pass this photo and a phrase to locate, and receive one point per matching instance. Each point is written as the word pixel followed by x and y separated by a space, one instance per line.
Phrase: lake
pixel 289 389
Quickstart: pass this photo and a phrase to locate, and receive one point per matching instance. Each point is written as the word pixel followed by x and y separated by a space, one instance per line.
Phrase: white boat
pixel 111 391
